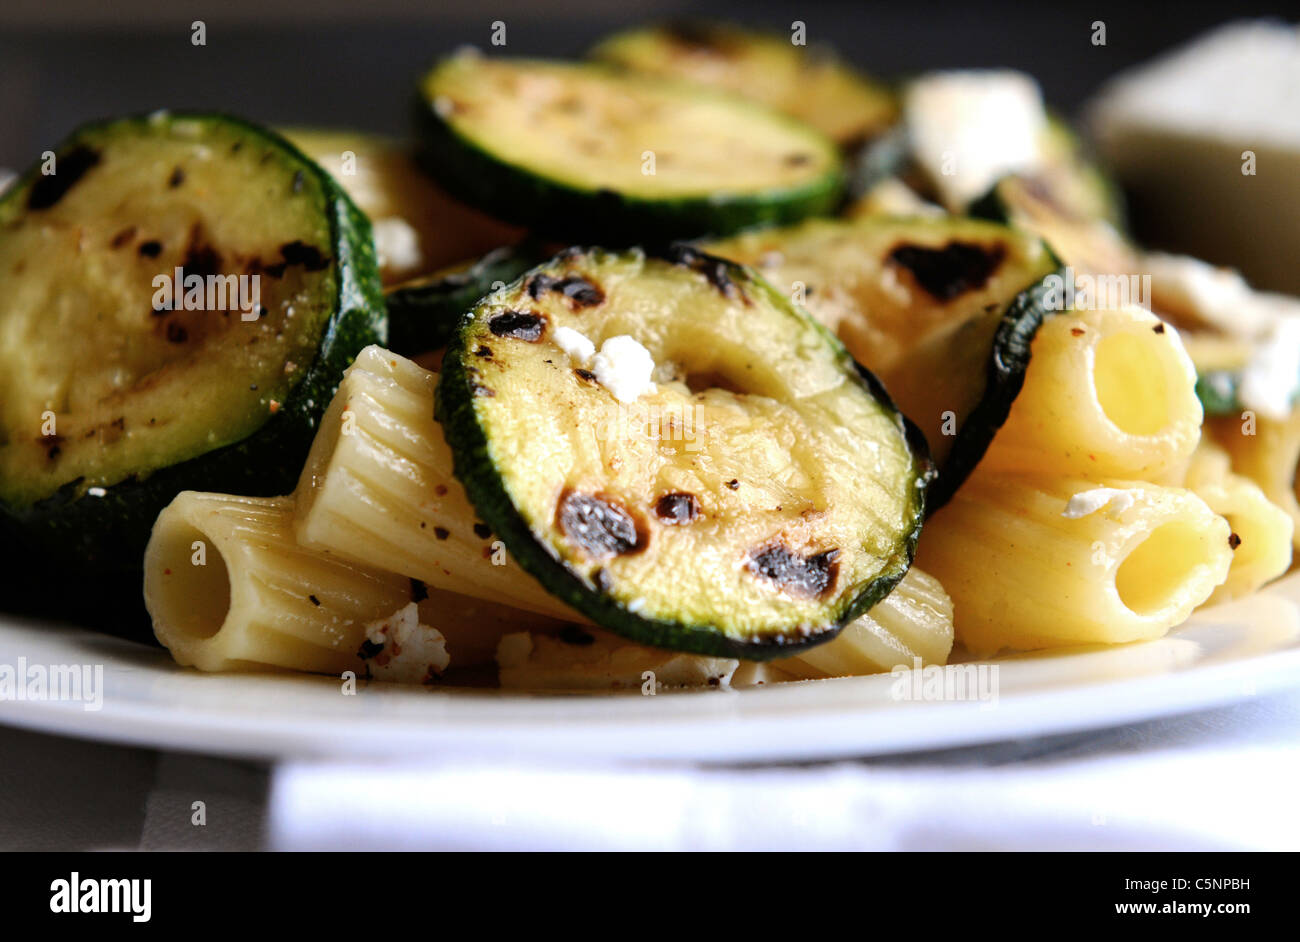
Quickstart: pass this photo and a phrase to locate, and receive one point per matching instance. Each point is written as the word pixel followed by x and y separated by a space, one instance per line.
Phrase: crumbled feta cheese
pixel 397 245
pixel 400 649
pixel 7 177
pixel 625 368
pixel 1270 380
pixel 1089 502
pixel 968 128
pixel 574 343
pixel 96 492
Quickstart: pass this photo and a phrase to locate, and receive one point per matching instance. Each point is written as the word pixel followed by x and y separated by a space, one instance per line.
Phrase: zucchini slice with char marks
pixel 807 83
pixel 677 451
pixel 423 313
pixel 418 228
pixel 941 309
pixel 113 396
pixel 582 151
pixel 1089 243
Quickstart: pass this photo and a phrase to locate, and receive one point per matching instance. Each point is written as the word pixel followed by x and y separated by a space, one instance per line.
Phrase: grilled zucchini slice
pixel 1087 242
pixel 939 308
pixel 113 398
pixel 418 227
pixel 807 83
pixel 423 313
pixel 587 152
pixel 762 494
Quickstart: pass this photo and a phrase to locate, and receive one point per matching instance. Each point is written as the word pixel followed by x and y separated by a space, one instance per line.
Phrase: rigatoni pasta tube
pixel 1106 394
pixel 1040 561
pixel 1266 451
pixel 1261 530
pixel 229 588
pixel 915 620
pixel 378 490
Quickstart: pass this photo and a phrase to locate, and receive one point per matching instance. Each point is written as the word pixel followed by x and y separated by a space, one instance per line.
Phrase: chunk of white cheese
pixel 1270 380
pixel 1208 137
pixel 968 128
pixel 1236 83
pixel 400 649
pixel 1089 502
pixel 575 344
pixel 397 245
pixel 625 368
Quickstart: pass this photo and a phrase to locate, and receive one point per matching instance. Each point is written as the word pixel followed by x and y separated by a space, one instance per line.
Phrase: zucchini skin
pixel 1220 392
pixel 1005 377
pixel 423 314
pixel 571 214
pixel 474 467
pixel 109 533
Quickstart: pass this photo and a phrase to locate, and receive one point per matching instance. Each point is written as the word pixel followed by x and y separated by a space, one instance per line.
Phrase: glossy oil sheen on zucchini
pixel 590 152
pixel 113 397
pixel 933 306
pixel 762 494
pixel 807 83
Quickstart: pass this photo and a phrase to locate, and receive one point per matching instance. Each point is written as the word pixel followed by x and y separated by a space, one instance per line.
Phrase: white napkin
pixel 1218 780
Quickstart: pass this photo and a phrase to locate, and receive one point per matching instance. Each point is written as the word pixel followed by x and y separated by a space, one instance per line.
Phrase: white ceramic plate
pixel 1221 655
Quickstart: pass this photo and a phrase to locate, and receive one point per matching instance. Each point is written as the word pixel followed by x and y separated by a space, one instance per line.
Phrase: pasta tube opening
pixel 1159 571
pixel 193 600
pixel 228 588
pixel 1131 373
pixel 1107 394
pixel 1039 561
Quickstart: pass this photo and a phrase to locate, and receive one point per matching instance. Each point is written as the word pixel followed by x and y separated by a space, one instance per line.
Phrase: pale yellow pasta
pixel 378 490
pixel 1106 394
pixel 591 659
pixel 1033 561
pixel 229 589
pixel 1261 531
pixel 913 621
pixel 1266 451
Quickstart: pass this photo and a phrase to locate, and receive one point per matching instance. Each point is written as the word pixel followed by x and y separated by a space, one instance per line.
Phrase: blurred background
pixel 343 62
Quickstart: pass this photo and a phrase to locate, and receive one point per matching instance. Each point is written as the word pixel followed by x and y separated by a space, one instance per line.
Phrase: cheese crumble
pixel 623 365
pixel 1089 502
pixel 400 649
